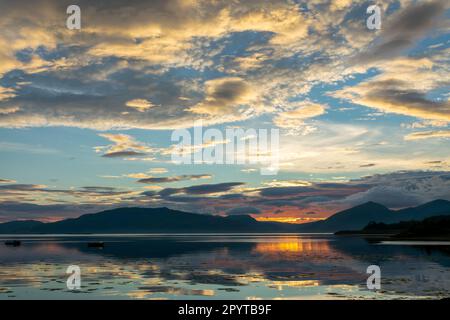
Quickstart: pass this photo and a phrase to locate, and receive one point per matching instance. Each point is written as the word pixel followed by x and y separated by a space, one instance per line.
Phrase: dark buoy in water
pixel 96 244
pixel 14 243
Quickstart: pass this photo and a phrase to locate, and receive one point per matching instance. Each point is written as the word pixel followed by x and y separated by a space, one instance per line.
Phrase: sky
pixel 87 116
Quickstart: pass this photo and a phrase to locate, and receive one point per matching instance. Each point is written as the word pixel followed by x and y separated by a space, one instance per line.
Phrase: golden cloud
pixel 394 91
pixel 140 105
pixel 124 146
pixel 224 95
pixel 296 118
pixel 428 135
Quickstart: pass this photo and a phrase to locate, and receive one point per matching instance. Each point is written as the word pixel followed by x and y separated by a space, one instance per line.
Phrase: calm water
pixel 263 266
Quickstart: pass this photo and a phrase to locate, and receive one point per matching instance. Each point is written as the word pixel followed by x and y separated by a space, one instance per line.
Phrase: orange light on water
pixel 296 220
pixel 294 245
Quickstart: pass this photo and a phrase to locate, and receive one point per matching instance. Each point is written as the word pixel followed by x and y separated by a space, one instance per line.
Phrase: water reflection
pixel 292 245
pixel 221 267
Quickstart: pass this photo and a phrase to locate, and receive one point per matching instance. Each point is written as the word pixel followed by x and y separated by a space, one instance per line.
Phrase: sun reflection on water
pixel 292 245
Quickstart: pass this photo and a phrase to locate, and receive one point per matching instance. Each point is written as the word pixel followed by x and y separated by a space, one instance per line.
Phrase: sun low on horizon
pixel 88 113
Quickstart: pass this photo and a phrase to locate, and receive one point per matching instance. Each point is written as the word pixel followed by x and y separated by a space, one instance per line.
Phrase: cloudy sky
pixel 86 116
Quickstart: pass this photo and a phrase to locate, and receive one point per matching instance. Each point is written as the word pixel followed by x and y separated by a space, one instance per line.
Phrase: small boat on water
pixel 97 244
pixel 14 243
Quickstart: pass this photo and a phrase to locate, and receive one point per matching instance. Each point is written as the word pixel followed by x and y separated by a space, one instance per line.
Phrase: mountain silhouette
pixel 432 228
pixel 436 227
pixel 350 219
pixel 426 210
pixel 25 226
pixel 146 220
pixel 360 216
pixel 164 220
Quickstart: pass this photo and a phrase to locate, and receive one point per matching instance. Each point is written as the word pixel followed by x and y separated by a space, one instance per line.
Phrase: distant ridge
pixel 25 226
pixel 164 220
pixel 358 217
pixel 436 228
pixel 350 219
pixel 147 220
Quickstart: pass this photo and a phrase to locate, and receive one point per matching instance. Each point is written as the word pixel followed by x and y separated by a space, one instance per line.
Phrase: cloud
pixel 368 165
pixel 124 146
pixel 44 212
pixel 7 181
pixel 286 191
pixel 428 135
pixel 243 210
pixel 123 154
pixel 6 93
pixel 211 188
pixel 393 91
pixel 42 194
pixel 256 60
pixel 22 187
pixel 9 110
pixel 389 196
pixel 99 189
pixel 217 61
pixel 224 96
pixel 174 178
pixel 40 188
pixel 404 29
pixel 287 183
pixel 140 105
pixel 313 190
pixel 201 189
pixel 403 189
pixel 425 124
pixel 157 170
pixel 26 148
pixel 138 175
pixel 133 58
pixel 295 119
pixel 391 97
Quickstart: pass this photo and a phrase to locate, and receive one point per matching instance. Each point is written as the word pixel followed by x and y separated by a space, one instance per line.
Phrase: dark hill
pixel 360 216
pixel 433 208
pixel 25 226
pixel 433 228
pixel 164 220
pixel 152 220
pixel 351 219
